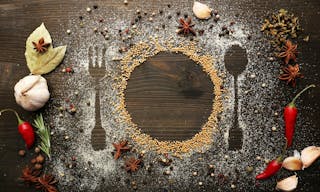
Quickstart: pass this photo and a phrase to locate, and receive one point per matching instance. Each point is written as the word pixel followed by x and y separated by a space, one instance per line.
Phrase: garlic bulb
pixel 309 155
pixel 32 92
pixel 288 184
pixel 201 11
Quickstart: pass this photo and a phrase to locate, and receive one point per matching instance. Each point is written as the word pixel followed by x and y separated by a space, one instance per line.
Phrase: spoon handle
pixel 235 133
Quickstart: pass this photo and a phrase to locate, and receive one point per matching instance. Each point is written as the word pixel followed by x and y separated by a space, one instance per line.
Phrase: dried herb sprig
pixel 44 133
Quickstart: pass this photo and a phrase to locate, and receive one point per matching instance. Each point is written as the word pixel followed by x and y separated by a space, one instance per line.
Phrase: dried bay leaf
pixel 53 58
pixel 42 63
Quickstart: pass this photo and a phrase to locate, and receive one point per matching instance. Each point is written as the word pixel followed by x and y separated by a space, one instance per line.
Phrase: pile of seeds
pixel 281 26
pixel 135 57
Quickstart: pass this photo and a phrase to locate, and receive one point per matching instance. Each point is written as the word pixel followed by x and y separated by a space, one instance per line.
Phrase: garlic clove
pixel 288 184
pixel 296 154
pixel 31 92
pixel 201 11
pixel 309 155
pixel 292 163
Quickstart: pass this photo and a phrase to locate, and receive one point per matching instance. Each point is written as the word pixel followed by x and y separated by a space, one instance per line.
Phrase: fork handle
pixel 97 106
pixel 98 134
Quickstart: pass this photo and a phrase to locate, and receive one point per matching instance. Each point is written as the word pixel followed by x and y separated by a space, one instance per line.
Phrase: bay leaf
pixel 42 63
pixel 47 63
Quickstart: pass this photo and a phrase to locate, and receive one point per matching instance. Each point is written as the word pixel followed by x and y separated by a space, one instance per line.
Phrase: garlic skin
pixel 292 164
pixel 309 155
pixel 31 92
pixel 201 11
pixel 288 184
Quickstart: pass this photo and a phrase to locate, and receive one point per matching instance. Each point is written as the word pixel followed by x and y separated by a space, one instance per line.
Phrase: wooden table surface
pixel 19 18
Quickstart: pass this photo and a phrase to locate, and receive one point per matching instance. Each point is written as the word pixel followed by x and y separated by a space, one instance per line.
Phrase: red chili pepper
pixel 25 129
pixel 272 168
pixel 290 117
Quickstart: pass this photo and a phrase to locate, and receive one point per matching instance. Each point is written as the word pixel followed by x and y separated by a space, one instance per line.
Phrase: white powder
pixel 103 172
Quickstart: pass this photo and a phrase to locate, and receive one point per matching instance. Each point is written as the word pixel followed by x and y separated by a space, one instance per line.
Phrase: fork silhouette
pixel 98 134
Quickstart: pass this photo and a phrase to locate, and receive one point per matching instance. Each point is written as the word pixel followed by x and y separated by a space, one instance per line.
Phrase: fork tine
pixel 96 63
pixel 103 58
pixel 90 54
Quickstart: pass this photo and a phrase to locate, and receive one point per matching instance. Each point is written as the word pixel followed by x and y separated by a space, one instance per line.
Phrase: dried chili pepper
pixel 25 129
pixel 290 116
pixel 273 167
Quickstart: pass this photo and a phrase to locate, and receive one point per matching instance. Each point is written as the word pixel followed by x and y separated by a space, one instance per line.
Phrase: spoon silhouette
pixel 235 62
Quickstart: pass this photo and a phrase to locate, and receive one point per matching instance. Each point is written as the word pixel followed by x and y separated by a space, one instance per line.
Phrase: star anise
pixel 289 52
pixel 185 27
pixel 46 183
pixel 132 164
pixel 290 74
pixel 41 46
pixel 120 147
pixel 30 175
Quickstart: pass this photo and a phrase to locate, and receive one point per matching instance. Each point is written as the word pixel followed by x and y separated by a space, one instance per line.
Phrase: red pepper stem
pixel 17 115
pixel 284 150
pixel 294 99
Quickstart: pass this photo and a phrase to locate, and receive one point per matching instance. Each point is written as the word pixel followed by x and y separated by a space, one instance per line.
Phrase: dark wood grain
pixel 169 97
pixel 19 18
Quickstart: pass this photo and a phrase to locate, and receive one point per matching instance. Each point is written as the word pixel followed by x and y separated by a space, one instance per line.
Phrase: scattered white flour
pixel 98 171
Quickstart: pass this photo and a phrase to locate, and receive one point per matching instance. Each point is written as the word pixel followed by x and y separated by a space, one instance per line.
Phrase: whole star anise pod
pixel 46 183
pixel 120 147
pixel 30 175
pixel 290 74
pixel 289 52
pixel 41 46
pixel 185 27
pixel 132 164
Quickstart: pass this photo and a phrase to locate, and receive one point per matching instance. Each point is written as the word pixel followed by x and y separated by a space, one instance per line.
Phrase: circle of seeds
pixel 138 54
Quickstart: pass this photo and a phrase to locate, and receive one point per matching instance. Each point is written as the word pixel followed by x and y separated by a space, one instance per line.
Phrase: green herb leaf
pixel 44 133
pixel 42 63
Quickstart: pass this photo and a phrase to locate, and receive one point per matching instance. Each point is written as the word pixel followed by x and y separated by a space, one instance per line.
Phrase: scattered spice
pixel 120 147
pixel 22 153
pixel 37 150
pixel 38 166
pixel 132 164
pixel 46 183
pixel 290 74
pixel 281 26
pixel 29 175
pixel 165 161
pixel 289 52
pixel 40 159
pixel 41 46
pixel 185 27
